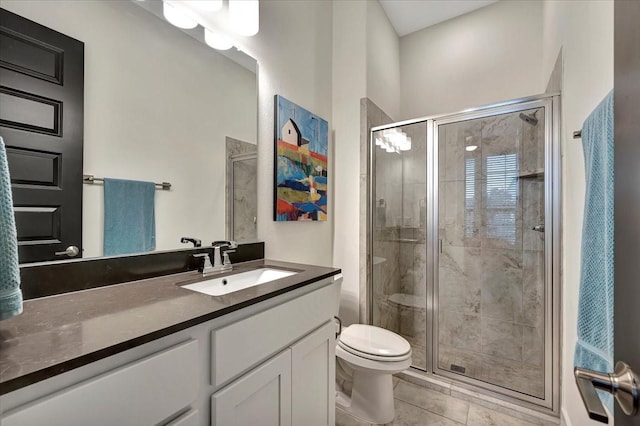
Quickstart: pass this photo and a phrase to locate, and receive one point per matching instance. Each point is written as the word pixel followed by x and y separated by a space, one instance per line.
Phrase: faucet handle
pixel 207 260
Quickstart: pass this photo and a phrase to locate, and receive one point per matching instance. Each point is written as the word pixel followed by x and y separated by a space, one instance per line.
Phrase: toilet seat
pixel 374 343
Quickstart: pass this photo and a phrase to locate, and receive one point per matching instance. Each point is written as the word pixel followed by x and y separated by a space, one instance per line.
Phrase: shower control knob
pixel 538 228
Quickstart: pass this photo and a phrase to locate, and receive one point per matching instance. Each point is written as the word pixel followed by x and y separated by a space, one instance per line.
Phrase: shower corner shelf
pixel 533 174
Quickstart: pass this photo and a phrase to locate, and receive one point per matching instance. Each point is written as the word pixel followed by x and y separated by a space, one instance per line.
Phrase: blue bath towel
pixel 129 216
pixel 594 349
pixel 10 293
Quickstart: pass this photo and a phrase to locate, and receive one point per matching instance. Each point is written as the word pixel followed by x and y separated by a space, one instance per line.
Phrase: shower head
pixel 529 118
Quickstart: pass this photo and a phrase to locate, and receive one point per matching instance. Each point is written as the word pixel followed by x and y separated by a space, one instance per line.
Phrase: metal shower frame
pixel 552 254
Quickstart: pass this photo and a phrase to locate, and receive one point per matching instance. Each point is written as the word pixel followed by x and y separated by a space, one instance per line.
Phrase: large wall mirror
pixel 159 106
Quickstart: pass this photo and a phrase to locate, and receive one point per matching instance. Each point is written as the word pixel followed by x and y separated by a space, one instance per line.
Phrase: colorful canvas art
pixel 301 150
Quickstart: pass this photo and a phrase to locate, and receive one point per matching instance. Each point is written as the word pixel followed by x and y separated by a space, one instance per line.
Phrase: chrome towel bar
pixel 90 179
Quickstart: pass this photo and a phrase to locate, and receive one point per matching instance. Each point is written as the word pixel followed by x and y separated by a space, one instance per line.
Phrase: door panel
pixel 41 122
pixel 627 190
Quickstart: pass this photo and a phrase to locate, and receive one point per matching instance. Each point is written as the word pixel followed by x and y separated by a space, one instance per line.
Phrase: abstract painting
pixel 301 149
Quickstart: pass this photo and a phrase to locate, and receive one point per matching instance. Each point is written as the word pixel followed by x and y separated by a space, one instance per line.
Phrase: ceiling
pixel 408 16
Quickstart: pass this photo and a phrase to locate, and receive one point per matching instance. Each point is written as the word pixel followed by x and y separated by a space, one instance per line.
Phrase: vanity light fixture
pixel 205 6
pixel 216 40
pixel 244 16
pixel 178 17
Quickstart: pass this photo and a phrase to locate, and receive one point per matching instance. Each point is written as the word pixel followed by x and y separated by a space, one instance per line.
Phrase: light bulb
pixel 471 147
pixel 205 5
pixel 244 16
pixel 216 40
pixel 177 17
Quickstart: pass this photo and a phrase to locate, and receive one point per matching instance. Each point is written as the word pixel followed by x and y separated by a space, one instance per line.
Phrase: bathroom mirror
pixel 159 105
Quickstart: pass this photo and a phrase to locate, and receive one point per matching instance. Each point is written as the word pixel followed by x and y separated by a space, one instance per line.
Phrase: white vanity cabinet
pixel 270 363
pixel 296 387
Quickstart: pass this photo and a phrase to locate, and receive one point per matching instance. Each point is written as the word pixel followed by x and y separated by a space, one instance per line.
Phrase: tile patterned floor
pixel 420 406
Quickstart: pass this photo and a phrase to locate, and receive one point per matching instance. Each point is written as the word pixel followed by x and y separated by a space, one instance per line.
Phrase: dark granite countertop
pixel 58 333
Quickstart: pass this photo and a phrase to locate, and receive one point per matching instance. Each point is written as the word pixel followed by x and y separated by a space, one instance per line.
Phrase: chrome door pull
pixel 71 251
pixel 623 383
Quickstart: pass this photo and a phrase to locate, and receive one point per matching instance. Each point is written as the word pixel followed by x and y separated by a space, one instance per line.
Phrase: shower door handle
pixel 623 383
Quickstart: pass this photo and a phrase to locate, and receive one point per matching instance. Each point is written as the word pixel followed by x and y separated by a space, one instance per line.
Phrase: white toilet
pixel 367 357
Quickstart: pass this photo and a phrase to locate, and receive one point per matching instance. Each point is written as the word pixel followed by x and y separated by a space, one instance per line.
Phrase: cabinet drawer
pixel 144 392
pixel 244 344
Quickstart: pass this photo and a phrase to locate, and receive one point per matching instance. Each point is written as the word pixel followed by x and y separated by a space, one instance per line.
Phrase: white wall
pixel 349 85
pixel 366 53
pixel 486 56
pixel 158 106
pixel 584 31
pixel 383 61
pixel 293 49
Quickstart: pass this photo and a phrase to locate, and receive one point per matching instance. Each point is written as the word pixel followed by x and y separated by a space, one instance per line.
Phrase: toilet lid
pixel 373 340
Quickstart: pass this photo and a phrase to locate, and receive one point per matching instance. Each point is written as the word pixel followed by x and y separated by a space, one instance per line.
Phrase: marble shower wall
pixel 491 268
pixel 241 191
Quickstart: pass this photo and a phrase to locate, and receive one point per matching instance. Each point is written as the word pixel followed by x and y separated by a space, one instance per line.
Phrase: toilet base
pixel 371 397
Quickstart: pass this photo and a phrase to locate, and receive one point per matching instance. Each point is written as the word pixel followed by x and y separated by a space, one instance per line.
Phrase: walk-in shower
pixel 464 243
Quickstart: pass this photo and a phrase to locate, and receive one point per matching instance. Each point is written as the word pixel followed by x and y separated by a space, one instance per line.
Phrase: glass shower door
pixel 399 235
pixel 489 292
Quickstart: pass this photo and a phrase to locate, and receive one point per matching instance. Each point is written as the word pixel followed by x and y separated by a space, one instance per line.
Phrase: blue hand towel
pixel 129 216
pixel 594 349
pixel 10 293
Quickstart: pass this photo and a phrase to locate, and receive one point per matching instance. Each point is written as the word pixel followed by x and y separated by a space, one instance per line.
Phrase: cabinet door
pixel 260 397
pixel 313 378
pixel 190 418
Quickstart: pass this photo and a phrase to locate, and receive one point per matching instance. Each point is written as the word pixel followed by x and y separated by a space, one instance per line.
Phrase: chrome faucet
pixel 221 260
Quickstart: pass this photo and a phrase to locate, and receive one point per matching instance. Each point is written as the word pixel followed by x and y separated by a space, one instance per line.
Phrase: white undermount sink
pixel 230 283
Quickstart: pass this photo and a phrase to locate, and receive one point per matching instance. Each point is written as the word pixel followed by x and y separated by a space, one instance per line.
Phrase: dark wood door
pixel 41 122
pixel 627 190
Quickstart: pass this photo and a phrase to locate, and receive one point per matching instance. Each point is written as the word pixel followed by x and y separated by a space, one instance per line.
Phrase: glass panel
pixel 399 230
pixel 491 267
